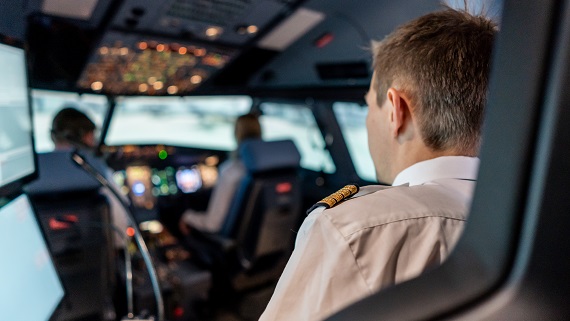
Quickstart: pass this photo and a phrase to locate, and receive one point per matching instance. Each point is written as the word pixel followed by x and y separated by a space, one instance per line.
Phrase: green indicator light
pixel 162 154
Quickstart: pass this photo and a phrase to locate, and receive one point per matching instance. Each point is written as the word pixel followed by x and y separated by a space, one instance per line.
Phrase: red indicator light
pixel 62 222
pixel 56 225
pixel 178 312
pixel 324 40
pixel 282 188
pixel 130 231
pixel 71 218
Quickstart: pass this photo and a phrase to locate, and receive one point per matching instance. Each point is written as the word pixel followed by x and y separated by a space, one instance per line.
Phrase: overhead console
pixel 222 21
pixel 136 64
pixel 172 47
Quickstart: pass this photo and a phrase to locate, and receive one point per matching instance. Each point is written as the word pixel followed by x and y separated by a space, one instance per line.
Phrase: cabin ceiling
pixel 202 46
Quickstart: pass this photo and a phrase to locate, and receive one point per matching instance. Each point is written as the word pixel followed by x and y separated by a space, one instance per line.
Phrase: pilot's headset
pixel 70 126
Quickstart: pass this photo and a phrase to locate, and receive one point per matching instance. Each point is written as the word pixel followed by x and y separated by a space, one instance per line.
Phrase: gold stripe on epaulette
pixel 339 196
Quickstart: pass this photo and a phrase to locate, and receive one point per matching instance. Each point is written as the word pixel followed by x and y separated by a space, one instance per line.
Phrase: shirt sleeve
pixel 212 219
pixel 321 276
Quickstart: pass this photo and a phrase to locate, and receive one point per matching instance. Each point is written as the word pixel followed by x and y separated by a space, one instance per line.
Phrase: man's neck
pixel 411 156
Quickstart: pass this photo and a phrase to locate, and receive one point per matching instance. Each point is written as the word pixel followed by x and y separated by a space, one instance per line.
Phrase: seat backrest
pixel 266 206
pixel 58 175
pixel 76 219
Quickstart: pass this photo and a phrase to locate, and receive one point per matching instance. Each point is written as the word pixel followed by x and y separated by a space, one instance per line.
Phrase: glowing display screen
pixel 31 289
pixel 16 150
pixel 188 180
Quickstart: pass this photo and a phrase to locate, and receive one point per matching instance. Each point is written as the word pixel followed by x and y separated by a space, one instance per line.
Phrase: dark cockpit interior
pixel 164 82
pixel 183 47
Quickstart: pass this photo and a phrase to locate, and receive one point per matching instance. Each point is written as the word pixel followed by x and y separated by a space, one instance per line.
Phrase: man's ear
pixel 88 139
pixel 400 113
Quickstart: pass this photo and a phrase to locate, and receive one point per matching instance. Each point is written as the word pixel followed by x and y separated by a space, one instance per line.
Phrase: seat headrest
pixel 58 174
pixel 258 155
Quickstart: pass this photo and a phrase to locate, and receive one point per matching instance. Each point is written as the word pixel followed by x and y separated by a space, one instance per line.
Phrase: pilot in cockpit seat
pixel 425 112
pixel 244 238
pixel 72 129
pixel 247 127
pixel 93 218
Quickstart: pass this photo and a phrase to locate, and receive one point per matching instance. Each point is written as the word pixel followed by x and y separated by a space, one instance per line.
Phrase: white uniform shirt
pixel 381 236
pixel 231 174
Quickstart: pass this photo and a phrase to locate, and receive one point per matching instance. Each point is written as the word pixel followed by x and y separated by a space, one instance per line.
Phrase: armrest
pixel 223 243
pixel 210 249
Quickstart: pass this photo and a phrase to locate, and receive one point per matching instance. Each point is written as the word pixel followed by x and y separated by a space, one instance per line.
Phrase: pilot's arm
pixel 231 174
pixel 320 275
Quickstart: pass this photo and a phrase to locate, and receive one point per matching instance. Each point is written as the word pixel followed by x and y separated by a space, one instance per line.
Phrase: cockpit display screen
pixel 138 180
pixel 30 287
pixel 145 185
pixel 16 148
pixel 188 180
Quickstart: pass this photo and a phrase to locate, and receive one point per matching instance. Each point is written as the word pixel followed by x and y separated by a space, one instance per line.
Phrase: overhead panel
pixel 212 12
pixel 173 47
pixel 224 21
pixel 144 65
pixel 293 28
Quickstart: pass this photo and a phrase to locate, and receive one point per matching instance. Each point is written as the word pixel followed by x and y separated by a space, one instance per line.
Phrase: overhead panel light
pixel 213 32
pixel 97 85
pixel 196 79
pixel 172 90
pixel 78 9
pixel 246 29
pixel 293 28
pixel 251 29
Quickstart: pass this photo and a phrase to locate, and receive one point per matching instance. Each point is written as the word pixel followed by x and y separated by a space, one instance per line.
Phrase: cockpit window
pixel 47 103
pixel 351 118
pixel 296 122
pixel 200 122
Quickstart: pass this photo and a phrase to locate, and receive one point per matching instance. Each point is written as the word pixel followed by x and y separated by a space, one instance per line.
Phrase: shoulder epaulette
pixel 336 197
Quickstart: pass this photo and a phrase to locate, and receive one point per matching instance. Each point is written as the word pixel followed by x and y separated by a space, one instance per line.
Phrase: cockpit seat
pixel 257 236
pixel 76 219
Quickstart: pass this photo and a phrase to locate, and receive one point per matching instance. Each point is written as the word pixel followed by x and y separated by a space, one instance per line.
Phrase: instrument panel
pixel 144 174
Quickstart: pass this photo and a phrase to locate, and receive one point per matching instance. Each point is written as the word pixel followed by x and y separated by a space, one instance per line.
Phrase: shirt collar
pixel 459 167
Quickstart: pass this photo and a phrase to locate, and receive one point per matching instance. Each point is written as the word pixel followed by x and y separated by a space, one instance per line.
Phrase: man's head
pixel 70 127
pixel 428 91
pixel 247 127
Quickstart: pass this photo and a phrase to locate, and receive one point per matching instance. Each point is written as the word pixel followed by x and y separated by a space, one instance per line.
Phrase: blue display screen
pixel 16 148
pixel 30 287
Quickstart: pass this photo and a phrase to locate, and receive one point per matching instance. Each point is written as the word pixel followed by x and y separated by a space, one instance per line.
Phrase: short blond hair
pixel 441 61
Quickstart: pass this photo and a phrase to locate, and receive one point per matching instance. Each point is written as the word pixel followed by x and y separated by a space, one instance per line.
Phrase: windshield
pixel 296 122
pixel 47 103
pixel 202 122
pixel 351 118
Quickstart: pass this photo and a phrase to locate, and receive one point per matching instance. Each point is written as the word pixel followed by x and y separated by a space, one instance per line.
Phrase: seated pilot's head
pixel 247 127
pixel 428 91
pixel 72 128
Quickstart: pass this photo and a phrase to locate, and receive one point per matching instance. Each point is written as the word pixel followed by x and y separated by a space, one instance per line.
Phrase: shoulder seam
pixel 402 220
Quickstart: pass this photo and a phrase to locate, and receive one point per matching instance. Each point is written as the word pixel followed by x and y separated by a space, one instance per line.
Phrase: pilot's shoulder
pixel 346 193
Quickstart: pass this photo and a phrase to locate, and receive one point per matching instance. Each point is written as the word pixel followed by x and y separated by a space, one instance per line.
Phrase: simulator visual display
pixel 16 148
pixel 31 288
